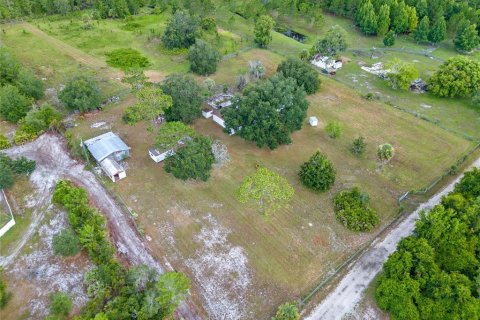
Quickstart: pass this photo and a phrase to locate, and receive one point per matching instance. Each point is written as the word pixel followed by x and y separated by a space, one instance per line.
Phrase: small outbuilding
pixel 313 121
pixel 159 156
pixel 108 149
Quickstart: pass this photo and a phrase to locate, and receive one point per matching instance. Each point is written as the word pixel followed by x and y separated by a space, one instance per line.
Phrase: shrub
pixel 4 143
pixel 6 176
pixel 317 173
pixel 60 305
pixel 40 119
pixel 389 39
pixel 193 161
pixel 81 93
pixel 127 59
pixel 353 211
pixel 334 129
pixel 13 105
pixel 203 58
pixel 302 72
pixel 385 152
pixel 29 85
pixel 66 243
pixel 358 146
pixel 287 311
pixel 209 24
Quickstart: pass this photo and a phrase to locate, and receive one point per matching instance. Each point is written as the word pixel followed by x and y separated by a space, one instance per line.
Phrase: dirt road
pixel 350 290
pixel 53 164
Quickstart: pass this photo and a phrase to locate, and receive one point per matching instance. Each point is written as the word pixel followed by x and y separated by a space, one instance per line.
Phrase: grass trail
pixel 78 55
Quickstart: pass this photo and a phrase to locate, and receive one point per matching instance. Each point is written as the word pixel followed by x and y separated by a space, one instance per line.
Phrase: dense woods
pixel 434 274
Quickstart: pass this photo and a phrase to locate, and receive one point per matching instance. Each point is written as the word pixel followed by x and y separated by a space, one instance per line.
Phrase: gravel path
pixel 349 291
pixel 53 164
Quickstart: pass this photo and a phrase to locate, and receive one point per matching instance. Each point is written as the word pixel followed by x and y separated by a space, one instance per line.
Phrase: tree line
pixel 116 292
pixel 435 273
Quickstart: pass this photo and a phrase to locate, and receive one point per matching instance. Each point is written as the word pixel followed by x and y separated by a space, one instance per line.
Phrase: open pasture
pixel 280 257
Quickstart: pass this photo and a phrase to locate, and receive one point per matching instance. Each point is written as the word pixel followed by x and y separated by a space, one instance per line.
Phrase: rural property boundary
pixel 402 214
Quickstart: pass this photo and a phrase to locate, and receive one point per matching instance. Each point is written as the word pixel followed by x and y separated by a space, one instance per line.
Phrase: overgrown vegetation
pixel 5 295
pixel 66 243
pixel 81 93
pixel 434 273
pixel 116 292
pixel 193 160
pixel 10 168
pixel 152 102
pixel 127 59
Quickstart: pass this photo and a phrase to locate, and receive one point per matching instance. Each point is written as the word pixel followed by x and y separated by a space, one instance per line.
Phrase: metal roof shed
pixel 107 144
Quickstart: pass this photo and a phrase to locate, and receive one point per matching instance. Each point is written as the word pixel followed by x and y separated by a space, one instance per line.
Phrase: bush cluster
pixel 127 59
pixel 352 209
pixel 115 292
pixel 19 87
pixel 9 168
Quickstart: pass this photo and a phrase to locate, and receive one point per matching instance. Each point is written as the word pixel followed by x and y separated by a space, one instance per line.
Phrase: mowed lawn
pixel 296 247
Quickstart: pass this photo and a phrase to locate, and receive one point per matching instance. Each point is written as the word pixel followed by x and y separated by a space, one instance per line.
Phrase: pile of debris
pixel 377 69
pixel 418 86
pixel 326 64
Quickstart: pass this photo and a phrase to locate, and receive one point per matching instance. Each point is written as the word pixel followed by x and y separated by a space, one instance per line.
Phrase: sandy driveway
pixel 53 164
pixel 349 291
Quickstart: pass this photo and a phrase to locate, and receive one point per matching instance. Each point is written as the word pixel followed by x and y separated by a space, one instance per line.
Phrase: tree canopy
pixel 170 133
pixel 433 273
pixel 193 160
pixel 81 93
pixel 203 58
pixel 457 77
pixel 268 112
pixel 152 102
pixel 302 72
pixel 318 173
pixel 467 38
pixel 186 98
pixel 401 74
pixel 335 42
pixel 181 30
pixel 263 30
pixel 267 190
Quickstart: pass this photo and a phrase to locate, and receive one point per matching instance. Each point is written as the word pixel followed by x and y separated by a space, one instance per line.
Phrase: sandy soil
pixel 349 291
pixel 53 164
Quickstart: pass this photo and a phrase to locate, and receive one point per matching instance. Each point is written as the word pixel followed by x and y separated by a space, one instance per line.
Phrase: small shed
pixel 108 149
pixel 159 156
pixel 313 121
pixel 207 113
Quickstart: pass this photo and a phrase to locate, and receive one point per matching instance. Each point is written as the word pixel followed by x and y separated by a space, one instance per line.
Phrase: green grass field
pixel 297 247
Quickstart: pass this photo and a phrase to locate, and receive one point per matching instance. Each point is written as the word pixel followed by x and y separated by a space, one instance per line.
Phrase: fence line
pixel 10 223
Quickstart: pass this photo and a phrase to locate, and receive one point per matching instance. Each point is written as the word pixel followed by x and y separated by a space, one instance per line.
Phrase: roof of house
pixel 104 145
pixel 111 166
